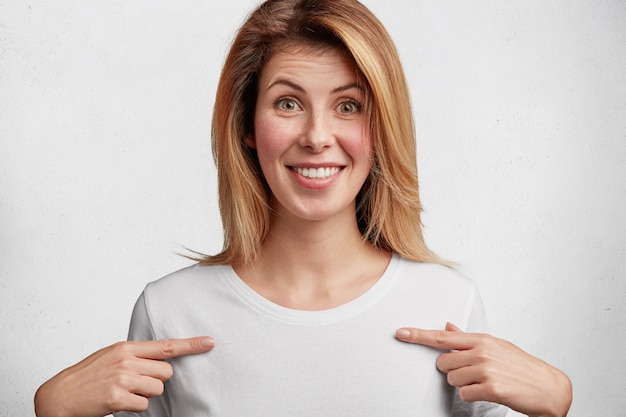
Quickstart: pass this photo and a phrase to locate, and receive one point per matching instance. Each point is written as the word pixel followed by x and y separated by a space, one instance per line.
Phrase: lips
pixel 317 172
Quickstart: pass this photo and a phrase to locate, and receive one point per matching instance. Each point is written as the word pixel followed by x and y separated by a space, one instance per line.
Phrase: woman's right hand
pixel 120 377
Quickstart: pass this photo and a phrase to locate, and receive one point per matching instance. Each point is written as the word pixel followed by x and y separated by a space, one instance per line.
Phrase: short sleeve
pixel 476 323
pixel 141 329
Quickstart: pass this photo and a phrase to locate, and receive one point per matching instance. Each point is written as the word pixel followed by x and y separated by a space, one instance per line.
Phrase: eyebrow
pixel 299 88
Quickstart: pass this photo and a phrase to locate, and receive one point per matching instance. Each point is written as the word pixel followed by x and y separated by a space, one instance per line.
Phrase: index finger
pixel 171 348
pixel 440 339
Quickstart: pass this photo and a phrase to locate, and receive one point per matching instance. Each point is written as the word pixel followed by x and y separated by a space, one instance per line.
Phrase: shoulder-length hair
pixel 388 205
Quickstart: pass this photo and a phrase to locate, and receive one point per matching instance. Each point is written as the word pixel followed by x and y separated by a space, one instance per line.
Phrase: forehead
pixel 303 60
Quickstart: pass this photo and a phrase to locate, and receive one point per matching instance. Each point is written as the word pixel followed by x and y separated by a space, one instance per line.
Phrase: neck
pixel 314 265
pixel 313 246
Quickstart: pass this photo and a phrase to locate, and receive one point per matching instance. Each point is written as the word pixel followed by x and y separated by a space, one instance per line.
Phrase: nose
pixel 317 134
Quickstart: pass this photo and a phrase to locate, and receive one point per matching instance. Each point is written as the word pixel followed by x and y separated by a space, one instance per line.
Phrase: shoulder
pixel 433 294
pixel 433 274
pixel 171 306
pixel 191 280
pixel 430 281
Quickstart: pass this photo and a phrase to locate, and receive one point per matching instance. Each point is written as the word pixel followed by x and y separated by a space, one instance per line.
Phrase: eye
pixel 349 107
pixel 287 104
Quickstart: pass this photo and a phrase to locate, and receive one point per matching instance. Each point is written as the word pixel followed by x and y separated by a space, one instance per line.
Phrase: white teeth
pixel 316 172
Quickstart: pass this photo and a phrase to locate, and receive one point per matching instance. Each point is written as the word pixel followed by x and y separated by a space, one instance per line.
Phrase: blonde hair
pixel 388 205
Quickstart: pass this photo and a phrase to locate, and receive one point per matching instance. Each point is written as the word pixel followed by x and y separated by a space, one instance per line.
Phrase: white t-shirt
pixel 269 360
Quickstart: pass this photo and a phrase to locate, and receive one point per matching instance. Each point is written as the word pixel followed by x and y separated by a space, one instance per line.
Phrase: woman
pixel 323 257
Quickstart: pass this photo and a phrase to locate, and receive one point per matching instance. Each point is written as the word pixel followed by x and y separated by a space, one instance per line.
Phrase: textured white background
pixel 106 171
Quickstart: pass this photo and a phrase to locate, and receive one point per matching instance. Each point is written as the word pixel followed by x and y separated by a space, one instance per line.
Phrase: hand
pixel 120 377
pixel 485 368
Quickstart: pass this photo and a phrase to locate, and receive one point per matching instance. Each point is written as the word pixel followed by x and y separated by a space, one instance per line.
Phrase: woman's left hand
pixel 486 368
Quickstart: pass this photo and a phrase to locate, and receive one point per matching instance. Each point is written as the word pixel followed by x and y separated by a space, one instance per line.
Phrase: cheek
pixel 358 143
pixel 271 139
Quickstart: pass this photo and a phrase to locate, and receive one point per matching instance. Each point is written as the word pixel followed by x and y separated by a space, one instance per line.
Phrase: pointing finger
pixel 171 348
pixel 450 339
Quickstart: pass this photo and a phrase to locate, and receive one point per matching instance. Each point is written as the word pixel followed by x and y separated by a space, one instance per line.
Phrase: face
pixel 311 137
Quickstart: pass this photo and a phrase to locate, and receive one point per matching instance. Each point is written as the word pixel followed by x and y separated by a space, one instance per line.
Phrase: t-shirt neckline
pixel 307 317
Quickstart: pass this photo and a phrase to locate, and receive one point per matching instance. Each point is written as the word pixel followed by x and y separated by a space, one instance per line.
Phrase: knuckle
pixel 484 349
pixel 167 348
pixel 483 373
pixel 118 347
pixel 451 379
pixel 164 371
pixel 495 390
pixel 115 400
pixel 168 371
pixel 160 388
pixel 142 404
pixel 482 355
pixel 137 404
pixel 194 345
pixel 121 349
pixel 439 363
pixel 126 364
pixel 121 381
pixel 486 339
pixel 442 362
pixel 487 342
pixel 467 394
pixel 441 337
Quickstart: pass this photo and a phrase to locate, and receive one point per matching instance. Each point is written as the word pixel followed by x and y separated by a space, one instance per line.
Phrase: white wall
pixel 106 172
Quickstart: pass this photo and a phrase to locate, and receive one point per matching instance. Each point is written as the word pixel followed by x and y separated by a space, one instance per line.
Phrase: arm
pixel 485 368
pixel 120 377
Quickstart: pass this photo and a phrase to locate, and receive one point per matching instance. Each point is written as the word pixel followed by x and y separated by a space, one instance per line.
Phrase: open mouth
pixel 317 173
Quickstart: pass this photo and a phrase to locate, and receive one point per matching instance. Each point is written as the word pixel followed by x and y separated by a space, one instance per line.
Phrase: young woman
pixel 323 260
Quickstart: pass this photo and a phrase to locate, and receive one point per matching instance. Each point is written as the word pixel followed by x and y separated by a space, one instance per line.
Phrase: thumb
pixel 452 328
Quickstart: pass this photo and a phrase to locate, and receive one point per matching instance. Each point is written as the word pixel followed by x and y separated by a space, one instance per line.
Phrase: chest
pixel 347 369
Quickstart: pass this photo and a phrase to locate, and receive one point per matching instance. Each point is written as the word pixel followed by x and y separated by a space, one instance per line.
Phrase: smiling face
pixel 310 134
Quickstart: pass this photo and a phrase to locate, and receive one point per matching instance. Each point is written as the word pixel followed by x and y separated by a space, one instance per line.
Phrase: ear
pixel 250 141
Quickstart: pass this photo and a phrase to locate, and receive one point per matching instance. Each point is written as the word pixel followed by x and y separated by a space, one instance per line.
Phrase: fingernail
pixel 207 342
pixel 403 334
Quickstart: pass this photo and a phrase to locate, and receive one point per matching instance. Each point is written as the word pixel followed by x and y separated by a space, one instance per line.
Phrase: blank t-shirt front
pixel 273 361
